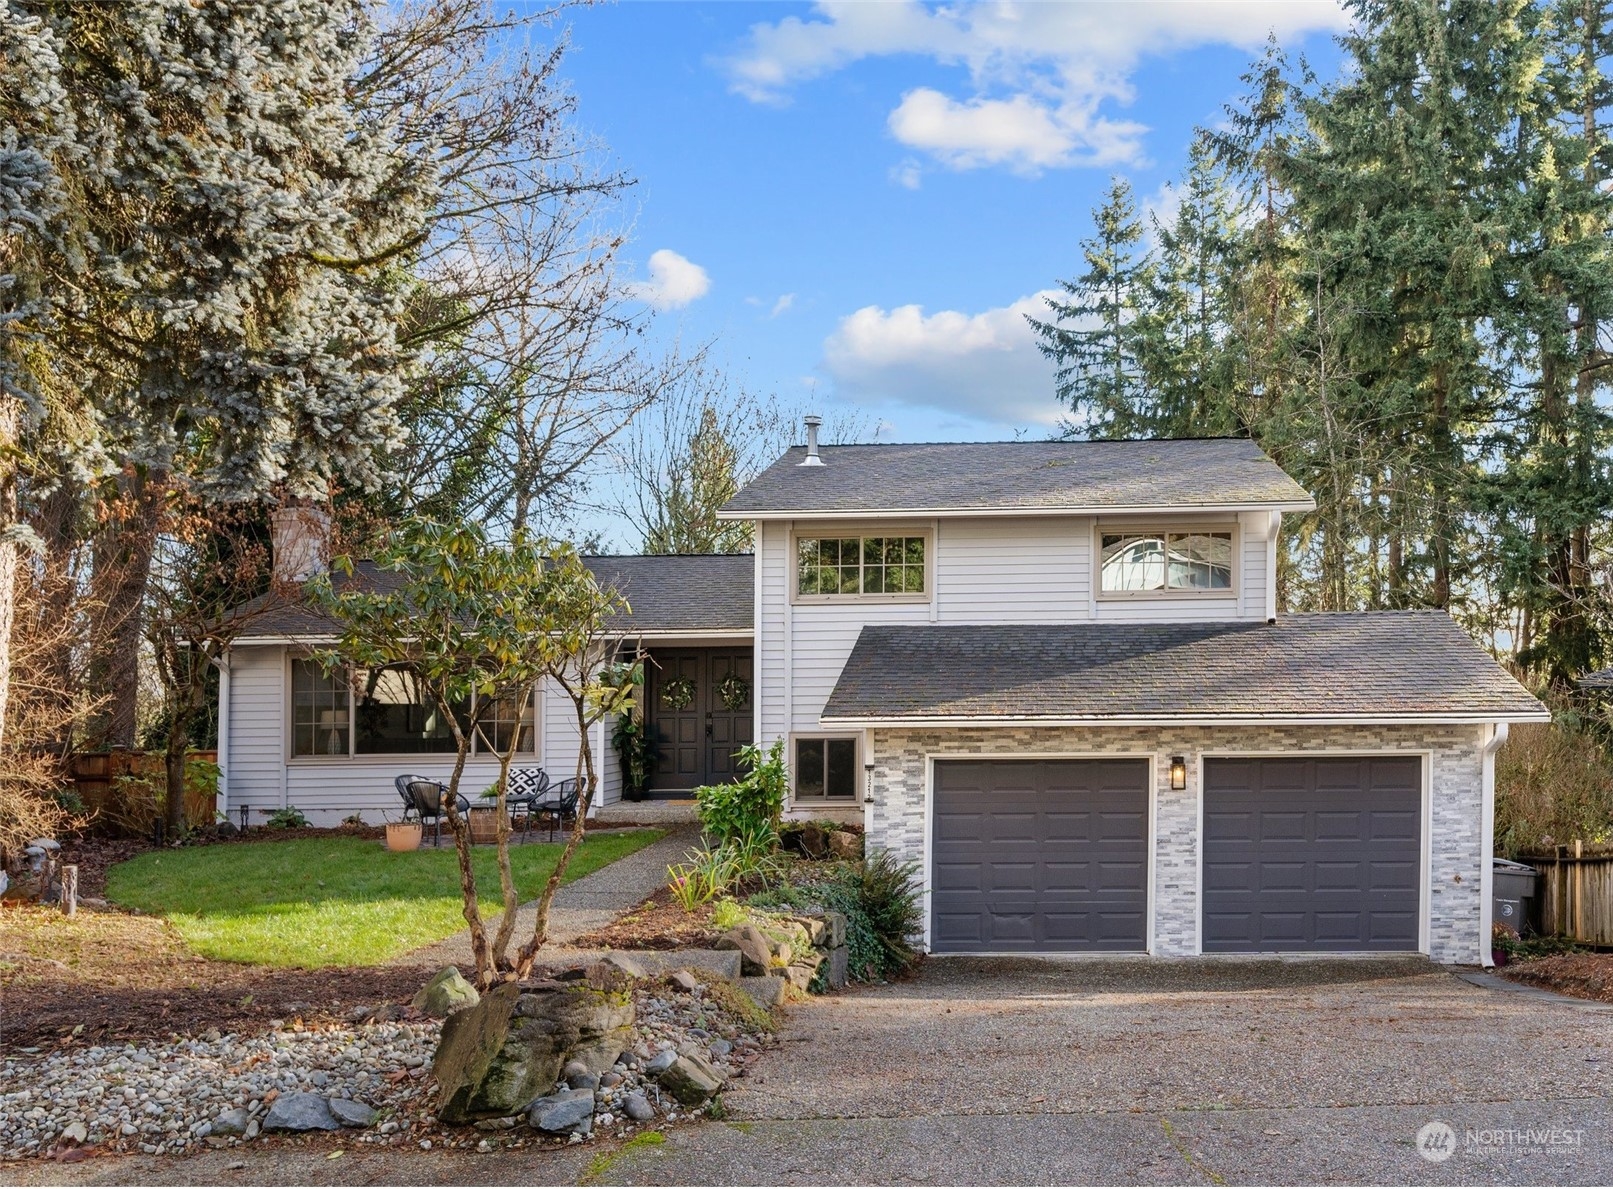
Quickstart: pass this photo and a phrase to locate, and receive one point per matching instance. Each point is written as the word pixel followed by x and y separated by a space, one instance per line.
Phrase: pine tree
pixel 1093 336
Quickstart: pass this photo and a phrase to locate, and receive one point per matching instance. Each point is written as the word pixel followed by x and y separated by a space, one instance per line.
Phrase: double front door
pixel 699 710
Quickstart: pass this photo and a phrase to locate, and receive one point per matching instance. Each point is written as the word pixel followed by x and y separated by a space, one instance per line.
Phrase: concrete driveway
pixel 1099 1072
pixel 1141 1072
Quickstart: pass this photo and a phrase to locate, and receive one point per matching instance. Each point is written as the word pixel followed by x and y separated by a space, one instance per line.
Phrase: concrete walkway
pixel 581 906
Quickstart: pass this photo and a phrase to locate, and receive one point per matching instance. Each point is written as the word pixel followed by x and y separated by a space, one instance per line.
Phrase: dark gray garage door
pixel 1312 854
pixel 1047 855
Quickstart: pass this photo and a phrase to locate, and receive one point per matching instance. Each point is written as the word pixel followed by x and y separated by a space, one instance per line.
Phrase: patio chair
pixel 422 797
pixel 526 787
pixel 559 804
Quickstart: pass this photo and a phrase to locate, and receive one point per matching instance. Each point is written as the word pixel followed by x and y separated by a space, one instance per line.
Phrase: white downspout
pixel 222 801
pixel 1498 737
pixel 1274 536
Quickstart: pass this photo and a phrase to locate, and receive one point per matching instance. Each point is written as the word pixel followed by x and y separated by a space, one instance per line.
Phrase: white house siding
pixel 896 821
pixel 985 570
pixel 264 776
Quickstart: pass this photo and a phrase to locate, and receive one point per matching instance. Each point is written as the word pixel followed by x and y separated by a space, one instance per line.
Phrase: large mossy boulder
pixel 498 1056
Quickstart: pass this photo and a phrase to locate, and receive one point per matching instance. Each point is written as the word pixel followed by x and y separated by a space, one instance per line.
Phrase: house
pixel 1054 675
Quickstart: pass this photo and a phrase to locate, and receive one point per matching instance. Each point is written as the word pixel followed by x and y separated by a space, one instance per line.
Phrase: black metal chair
pixel 423 797
pixel 559 804
pixel 526 787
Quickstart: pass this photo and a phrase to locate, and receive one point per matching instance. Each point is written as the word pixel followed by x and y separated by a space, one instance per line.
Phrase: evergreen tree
pixel 1093 336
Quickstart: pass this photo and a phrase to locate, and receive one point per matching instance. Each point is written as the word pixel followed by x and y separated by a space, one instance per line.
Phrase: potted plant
pixel 403 836
pixel 636 751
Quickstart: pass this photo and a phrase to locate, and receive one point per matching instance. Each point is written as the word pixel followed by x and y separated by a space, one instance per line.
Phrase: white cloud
pixel 784 302
pixel 1020 132
pixel 1038 73
pixel 674 282
pixel 908 174
pixel 985 365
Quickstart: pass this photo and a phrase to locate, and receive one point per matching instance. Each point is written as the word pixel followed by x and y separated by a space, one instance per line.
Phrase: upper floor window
pixel 382 712
pixel 1167 562
pixel 859 565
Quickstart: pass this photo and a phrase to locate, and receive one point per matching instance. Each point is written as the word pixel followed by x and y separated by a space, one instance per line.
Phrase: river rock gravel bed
pixel 217 1090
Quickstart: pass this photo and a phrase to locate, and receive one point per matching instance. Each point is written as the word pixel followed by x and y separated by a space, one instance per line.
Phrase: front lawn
pixel 313 902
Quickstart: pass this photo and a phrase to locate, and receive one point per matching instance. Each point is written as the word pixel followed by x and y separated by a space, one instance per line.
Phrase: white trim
pixel 789 633
pixel 1425 850
pixel 651 637
pixel 756 653
pixel 1017 510
pixel 1273 535
pixel 221 803
pixel 1497 740
pixel 1196 775
pixel 1149 874
pixel 829 722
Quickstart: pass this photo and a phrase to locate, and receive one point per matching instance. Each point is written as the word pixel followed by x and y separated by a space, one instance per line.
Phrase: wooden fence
pixel 124 789
pixel 1575 896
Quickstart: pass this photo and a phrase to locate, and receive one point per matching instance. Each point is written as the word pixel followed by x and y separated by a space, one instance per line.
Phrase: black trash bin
pixel 1514 896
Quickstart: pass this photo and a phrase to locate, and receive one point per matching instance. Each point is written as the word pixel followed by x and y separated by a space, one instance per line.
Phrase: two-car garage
pixel 1299 853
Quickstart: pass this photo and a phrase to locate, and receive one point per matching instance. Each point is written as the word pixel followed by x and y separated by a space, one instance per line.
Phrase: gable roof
pixel 665 593
pixel 1380 666
pixel 952 478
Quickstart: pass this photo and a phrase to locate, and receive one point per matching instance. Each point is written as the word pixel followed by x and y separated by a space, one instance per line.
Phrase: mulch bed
pixel 1584 976
pixel 658 923
pixel 110 977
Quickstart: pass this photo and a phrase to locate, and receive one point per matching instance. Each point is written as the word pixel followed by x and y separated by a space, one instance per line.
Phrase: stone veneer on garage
pixel 896 819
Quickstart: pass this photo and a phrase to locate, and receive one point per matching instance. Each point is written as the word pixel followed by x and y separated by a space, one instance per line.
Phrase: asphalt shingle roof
pixel 666 593
pixel 1025 476
pixel 1369 666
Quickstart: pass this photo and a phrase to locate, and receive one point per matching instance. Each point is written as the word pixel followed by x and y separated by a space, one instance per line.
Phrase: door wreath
pixel 734 691
pixel 678 694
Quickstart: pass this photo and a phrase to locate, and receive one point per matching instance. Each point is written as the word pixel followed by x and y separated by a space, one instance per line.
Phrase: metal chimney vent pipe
pixel 812 459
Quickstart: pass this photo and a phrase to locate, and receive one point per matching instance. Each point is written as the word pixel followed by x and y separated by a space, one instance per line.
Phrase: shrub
pixel 729 915
pixel 289 818
pixel 1553 783
pixel 706 875
pixel 749 807
pixel 880 901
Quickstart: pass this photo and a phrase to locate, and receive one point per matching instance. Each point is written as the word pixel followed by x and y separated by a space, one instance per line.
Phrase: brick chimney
pixel 300 538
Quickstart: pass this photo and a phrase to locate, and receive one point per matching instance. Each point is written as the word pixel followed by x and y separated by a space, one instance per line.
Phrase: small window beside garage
pixel 826 769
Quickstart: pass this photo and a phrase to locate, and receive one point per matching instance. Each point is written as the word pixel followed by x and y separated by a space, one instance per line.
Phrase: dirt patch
pixel 106 976
pixel 1584 976
pixel 657 923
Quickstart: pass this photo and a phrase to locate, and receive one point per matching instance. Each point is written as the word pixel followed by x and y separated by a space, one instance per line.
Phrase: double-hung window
pixel 382 712
pixel 1190 561
pixel 856 566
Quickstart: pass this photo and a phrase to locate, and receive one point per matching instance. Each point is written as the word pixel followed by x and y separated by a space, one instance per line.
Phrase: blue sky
pixel 858 202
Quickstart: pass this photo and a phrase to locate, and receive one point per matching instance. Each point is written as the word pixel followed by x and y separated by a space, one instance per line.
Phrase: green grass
pixel 312 902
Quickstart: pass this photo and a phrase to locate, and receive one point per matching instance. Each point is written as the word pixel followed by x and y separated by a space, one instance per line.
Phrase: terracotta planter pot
pixel 404 835
pixel 483 825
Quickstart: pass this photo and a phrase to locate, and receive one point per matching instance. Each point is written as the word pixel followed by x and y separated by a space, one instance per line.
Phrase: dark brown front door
pixel 699 708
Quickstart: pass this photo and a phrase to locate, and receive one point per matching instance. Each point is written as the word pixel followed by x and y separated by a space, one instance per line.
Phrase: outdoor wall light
pixel 868 784
pixel 1178 773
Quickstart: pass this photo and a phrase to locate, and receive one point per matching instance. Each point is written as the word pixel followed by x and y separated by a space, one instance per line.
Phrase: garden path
pixel 580 907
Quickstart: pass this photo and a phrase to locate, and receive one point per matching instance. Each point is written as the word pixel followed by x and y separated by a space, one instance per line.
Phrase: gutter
pixel 1498 737
pixel 1165 720
pixel 1013 510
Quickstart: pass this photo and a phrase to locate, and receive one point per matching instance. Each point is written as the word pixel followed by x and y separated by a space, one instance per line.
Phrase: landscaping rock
pixel 637 1108
pixel 631 967
pixel 803 969
pixel 352 1114
pixel 568 1111
pixel 690 1080
pixel 75 1132
pixel 446 993
pixel 300 1111
pixel 721 1048
pixel 496 1057
pixel 766 989
pixel 755 952
pixel 835 925
pixel 843 844
pixel 231 1122
pixel 684 981
pixel 660 1061
pixel 839 968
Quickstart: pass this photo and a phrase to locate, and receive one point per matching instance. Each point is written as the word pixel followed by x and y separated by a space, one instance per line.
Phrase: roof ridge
pixel 1028 442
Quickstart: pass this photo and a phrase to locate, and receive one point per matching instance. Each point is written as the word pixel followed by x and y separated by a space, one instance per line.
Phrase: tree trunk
pixel 174 773
pixel 123 554
pixel 579 826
